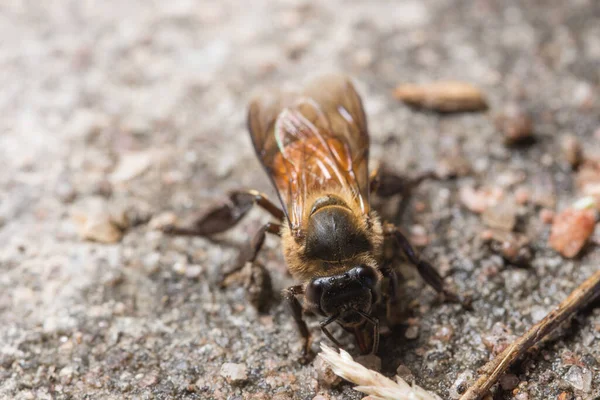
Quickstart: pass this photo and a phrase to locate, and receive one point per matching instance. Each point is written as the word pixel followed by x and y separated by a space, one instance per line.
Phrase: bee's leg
pixel 390 273
pixel 224 217
pixel 425 269
pixel 295 307
pixel 256 245
pixel 385 183
pixel 395 310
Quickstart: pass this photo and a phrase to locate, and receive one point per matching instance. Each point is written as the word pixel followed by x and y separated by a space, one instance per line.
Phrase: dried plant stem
pixel 492 371
pixel 370 382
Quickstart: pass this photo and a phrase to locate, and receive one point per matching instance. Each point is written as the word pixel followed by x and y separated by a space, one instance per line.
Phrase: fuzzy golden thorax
pixel 332 220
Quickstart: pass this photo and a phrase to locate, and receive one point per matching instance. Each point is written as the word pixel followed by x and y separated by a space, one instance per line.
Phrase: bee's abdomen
pixel 334 234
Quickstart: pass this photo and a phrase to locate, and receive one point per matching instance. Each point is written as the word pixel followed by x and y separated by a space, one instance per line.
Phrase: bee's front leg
pixel 222 218
pixel 295 307
pixel 425 269
pixel 257 281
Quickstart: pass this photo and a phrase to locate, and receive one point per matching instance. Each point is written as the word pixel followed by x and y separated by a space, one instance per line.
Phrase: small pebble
pixel 461 384
pixel 444 333
pixel 131 165
pixel 500 216
pixel 509 381
pixel 546 215
pixel 579 378
pixel 571 230
pixel 412 332
pixel 234 373
pixel 193 271
pixel 325 374
pixel 405 373
pixel 565 396
pixel 515 124
pixel 162 220
pixel 522 195
pixel 572 151
pixel 98 228
pixel 481 199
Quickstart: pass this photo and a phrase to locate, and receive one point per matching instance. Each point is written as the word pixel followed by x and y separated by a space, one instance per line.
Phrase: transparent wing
pixel 311 140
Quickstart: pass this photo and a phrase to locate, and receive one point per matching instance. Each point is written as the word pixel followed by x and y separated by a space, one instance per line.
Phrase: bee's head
pixel 348 295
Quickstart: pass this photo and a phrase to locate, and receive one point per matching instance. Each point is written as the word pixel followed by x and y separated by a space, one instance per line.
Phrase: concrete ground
pixel 134 109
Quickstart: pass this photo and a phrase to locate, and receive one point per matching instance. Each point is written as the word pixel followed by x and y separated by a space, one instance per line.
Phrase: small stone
pixel 571 230
pixel 179 268
pixel 515 123
pixel 412 332
pixel 522 396
pixel 547 216
pixel 193 271
pixel 572 151
pixel 498 339
pixel 452 166
pixel 131 165
pixel 234 374
pixel 65 191
pixel 444 333
pixel 98 227
pixel 363 58
pixel 479 200
pixel 461 384
pixel 522 195
pixel 66 375
pixel 500 216
pixel 565 396
pixel 325 374
pixel 580 378
pixel 370 361
pixel 405 373
pixel 509 381
pixel 148 380
pixel 162 220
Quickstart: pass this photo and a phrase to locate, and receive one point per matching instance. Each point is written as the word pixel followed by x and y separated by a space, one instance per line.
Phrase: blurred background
pixel 120 116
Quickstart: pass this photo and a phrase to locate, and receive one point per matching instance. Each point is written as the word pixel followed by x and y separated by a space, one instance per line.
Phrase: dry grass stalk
pixel 492 371
pixel 370 382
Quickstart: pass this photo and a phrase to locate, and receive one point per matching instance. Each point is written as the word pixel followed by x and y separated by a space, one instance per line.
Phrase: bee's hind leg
pixel 425 269
pixel 295 307
pixel 385 183
pixel 226 216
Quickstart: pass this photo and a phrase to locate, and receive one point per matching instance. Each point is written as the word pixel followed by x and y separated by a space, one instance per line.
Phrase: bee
pixel 314 147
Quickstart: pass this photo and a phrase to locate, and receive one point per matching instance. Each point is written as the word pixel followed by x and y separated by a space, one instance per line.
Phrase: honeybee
pixel 314 147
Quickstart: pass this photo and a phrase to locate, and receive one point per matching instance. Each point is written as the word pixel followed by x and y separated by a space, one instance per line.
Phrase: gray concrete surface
pixel 138 108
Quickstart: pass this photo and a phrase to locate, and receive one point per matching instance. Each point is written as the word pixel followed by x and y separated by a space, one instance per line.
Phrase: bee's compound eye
pixel 314 290
pixel 366 275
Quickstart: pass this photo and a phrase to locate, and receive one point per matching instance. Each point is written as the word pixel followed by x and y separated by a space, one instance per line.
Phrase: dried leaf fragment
pixel 443 96
pixel 571 229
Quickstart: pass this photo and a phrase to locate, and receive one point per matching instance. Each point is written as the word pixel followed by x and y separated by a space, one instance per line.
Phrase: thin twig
pixel 492 371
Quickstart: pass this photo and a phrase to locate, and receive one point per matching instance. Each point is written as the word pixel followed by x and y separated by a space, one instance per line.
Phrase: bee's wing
pixel 311 140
